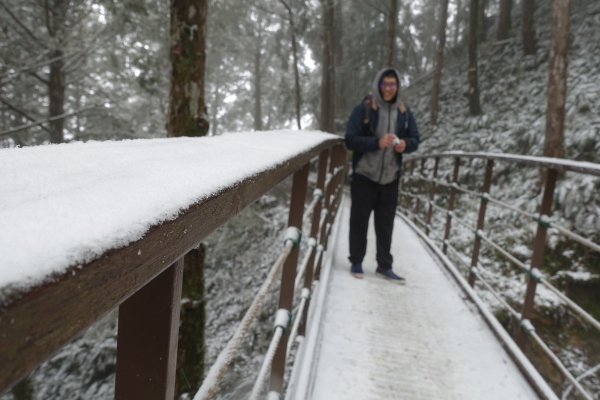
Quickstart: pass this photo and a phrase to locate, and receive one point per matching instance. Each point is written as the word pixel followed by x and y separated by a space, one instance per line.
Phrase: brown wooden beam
pixel 147 341
pixel 36 323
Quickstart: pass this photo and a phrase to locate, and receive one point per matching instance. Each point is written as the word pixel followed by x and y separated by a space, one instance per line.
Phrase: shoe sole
pixel 357 276
pixel 396 281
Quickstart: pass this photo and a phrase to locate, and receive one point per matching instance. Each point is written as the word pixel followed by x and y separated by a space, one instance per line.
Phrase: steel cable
pixel 211 382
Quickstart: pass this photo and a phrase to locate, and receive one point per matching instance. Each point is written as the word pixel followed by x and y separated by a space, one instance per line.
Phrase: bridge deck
pixel 418 341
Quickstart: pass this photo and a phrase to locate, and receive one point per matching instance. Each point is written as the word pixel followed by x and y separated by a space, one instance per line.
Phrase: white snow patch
pixel 67 204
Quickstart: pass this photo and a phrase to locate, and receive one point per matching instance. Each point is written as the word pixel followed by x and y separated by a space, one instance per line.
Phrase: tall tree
pixel 187 39
pixel 439 62
pixel 528 28
pixel 390 38
pixel 187 117
pixel 290 19
pixel 328 69
pixel 474 104
pixel 482 23
pixel 457 21
pixel 258 125
pixel 55 22
pixel 504 19
pixel 557 79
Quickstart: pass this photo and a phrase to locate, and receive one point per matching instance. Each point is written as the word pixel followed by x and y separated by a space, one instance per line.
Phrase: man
pixel 379 131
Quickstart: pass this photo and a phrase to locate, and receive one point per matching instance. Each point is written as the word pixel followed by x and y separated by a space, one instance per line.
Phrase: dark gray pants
pixel 382 199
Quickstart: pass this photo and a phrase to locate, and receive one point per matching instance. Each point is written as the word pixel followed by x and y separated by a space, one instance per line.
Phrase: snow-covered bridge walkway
pixel 423 340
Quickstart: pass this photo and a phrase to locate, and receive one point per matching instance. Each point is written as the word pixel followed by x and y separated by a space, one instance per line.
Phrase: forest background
pixel 84 70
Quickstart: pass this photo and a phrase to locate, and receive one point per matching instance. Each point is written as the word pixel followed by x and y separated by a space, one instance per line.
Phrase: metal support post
pixel 419 188
pixel 539 244
pixel 485 190
pixel 147 340
pixel 408 198
pixel 432 195
pixel 288 277
pixel 314 231
pixel 451 203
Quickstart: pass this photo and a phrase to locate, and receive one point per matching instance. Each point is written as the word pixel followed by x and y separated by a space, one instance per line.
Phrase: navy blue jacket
pixel 360 137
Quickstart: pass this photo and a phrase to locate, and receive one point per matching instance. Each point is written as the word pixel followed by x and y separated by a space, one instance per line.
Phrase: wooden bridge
pixel 105 225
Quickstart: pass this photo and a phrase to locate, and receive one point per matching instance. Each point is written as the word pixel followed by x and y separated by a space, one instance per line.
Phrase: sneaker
pixel 356 271
pixel 389 274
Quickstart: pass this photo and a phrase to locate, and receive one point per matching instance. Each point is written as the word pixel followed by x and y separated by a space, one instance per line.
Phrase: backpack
pixel 370 103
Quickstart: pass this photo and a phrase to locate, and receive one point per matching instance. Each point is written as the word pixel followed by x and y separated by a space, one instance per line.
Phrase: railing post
pixel 420 187
pixel 487 183
pixel 432 195
pixel 314 231
pixel 147 339
pixel 451 203
pixel 410 183
pixel 288 276
pixel 537 257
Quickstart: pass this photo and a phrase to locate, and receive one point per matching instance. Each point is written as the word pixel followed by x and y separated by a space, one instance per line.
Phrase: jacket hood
pixel 377 91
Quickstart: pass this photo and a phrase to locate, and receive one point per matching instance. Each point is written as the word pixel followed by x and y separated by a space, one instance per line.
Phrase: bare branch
pixel 32 66
pixel 36 123
pixel 39 78
pixel 29 33
pixel 375 7
pixel 20 111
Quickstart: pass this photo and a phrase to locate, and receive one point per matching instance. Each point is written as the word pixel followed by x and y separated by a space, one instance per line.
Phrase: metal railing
pixel 150 271
pixel 411 201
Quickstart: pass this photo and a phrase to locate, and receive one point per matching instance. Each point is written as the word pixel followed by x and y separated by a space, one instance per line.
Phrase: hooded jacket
pixel 369 162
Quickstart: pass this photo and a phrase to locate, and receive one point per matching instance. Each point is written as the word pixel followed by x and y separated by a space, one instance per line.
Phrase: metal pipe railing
pixel 544 222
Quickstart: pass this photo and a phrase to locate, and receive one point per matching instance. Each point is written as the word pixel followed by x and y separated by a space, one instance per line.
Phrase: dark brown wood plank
pixel 35 324
pixel 147 343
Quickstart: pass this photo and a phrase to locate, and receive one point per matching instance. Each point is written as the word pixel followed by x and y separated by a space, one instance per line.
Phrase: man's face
pixel 389 87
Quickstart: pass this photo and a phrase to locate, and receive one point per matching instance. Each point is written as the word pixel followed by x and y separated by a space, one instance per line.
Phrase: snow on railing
pixel 305 276
pixel 553 166
pixel 169 202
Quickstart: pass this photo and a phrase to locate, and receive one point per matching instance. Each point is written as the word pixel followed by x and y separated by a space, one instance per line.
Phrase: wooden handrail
pixel 36 323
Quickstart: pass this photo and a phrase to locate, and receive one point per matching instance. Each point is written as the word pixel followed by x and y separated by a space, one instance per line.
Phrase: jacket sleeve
pixel 412 136
pixel 355 140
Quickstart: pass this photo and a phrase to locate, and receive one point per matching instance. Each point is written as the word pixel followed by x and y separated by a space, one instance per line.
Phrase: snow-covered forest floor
pixel 513 96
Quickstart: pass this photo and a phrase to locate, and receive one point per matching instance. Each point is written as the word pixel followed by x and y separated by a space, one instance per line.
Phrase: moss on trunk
pixel 191 347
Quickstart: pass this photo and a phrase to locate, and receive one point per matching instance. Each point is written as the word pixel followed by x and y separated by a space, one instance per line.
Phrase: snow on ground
pixel 514 100
pixel 418 341
pixel 65 205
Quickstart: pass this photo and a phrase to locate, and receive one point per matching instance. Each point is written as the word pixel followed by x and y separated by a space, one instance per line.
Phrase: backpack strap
pixel 404 111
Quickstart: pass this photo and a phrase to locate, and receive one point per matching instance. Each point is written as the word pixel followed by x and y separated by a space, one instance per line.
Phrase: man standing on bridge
pixel 379 131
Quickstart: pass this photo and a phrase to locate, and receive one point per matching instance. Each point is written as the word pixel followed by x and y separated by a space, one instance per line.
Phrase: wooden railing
pixel 419 205
pixel 144 280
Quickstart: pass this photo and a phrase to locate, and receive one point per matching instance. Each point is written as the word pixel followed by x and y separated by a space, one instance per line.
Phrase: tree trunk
pixel 474 105
pixel 458 21
pixel 56 83
pixel 482 23
pixel 504 20
pixel 187 117
pixel 390 40
pixel 257 88
pixel 328 70
pixel 557 79
pixel 338 51
pixel 191 346
pixel 296 75
pixel 528 29
pixel 187 34
pixel 439 62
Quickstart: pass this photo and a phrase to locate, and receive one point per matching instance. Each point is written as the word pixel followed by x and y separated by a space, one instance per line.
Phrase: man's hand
pixel 386 141
pixel 400 147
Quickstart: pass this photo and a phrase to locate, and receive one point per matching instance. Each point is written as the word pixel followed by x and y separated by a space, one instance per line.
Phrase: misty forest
pixel 498 76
